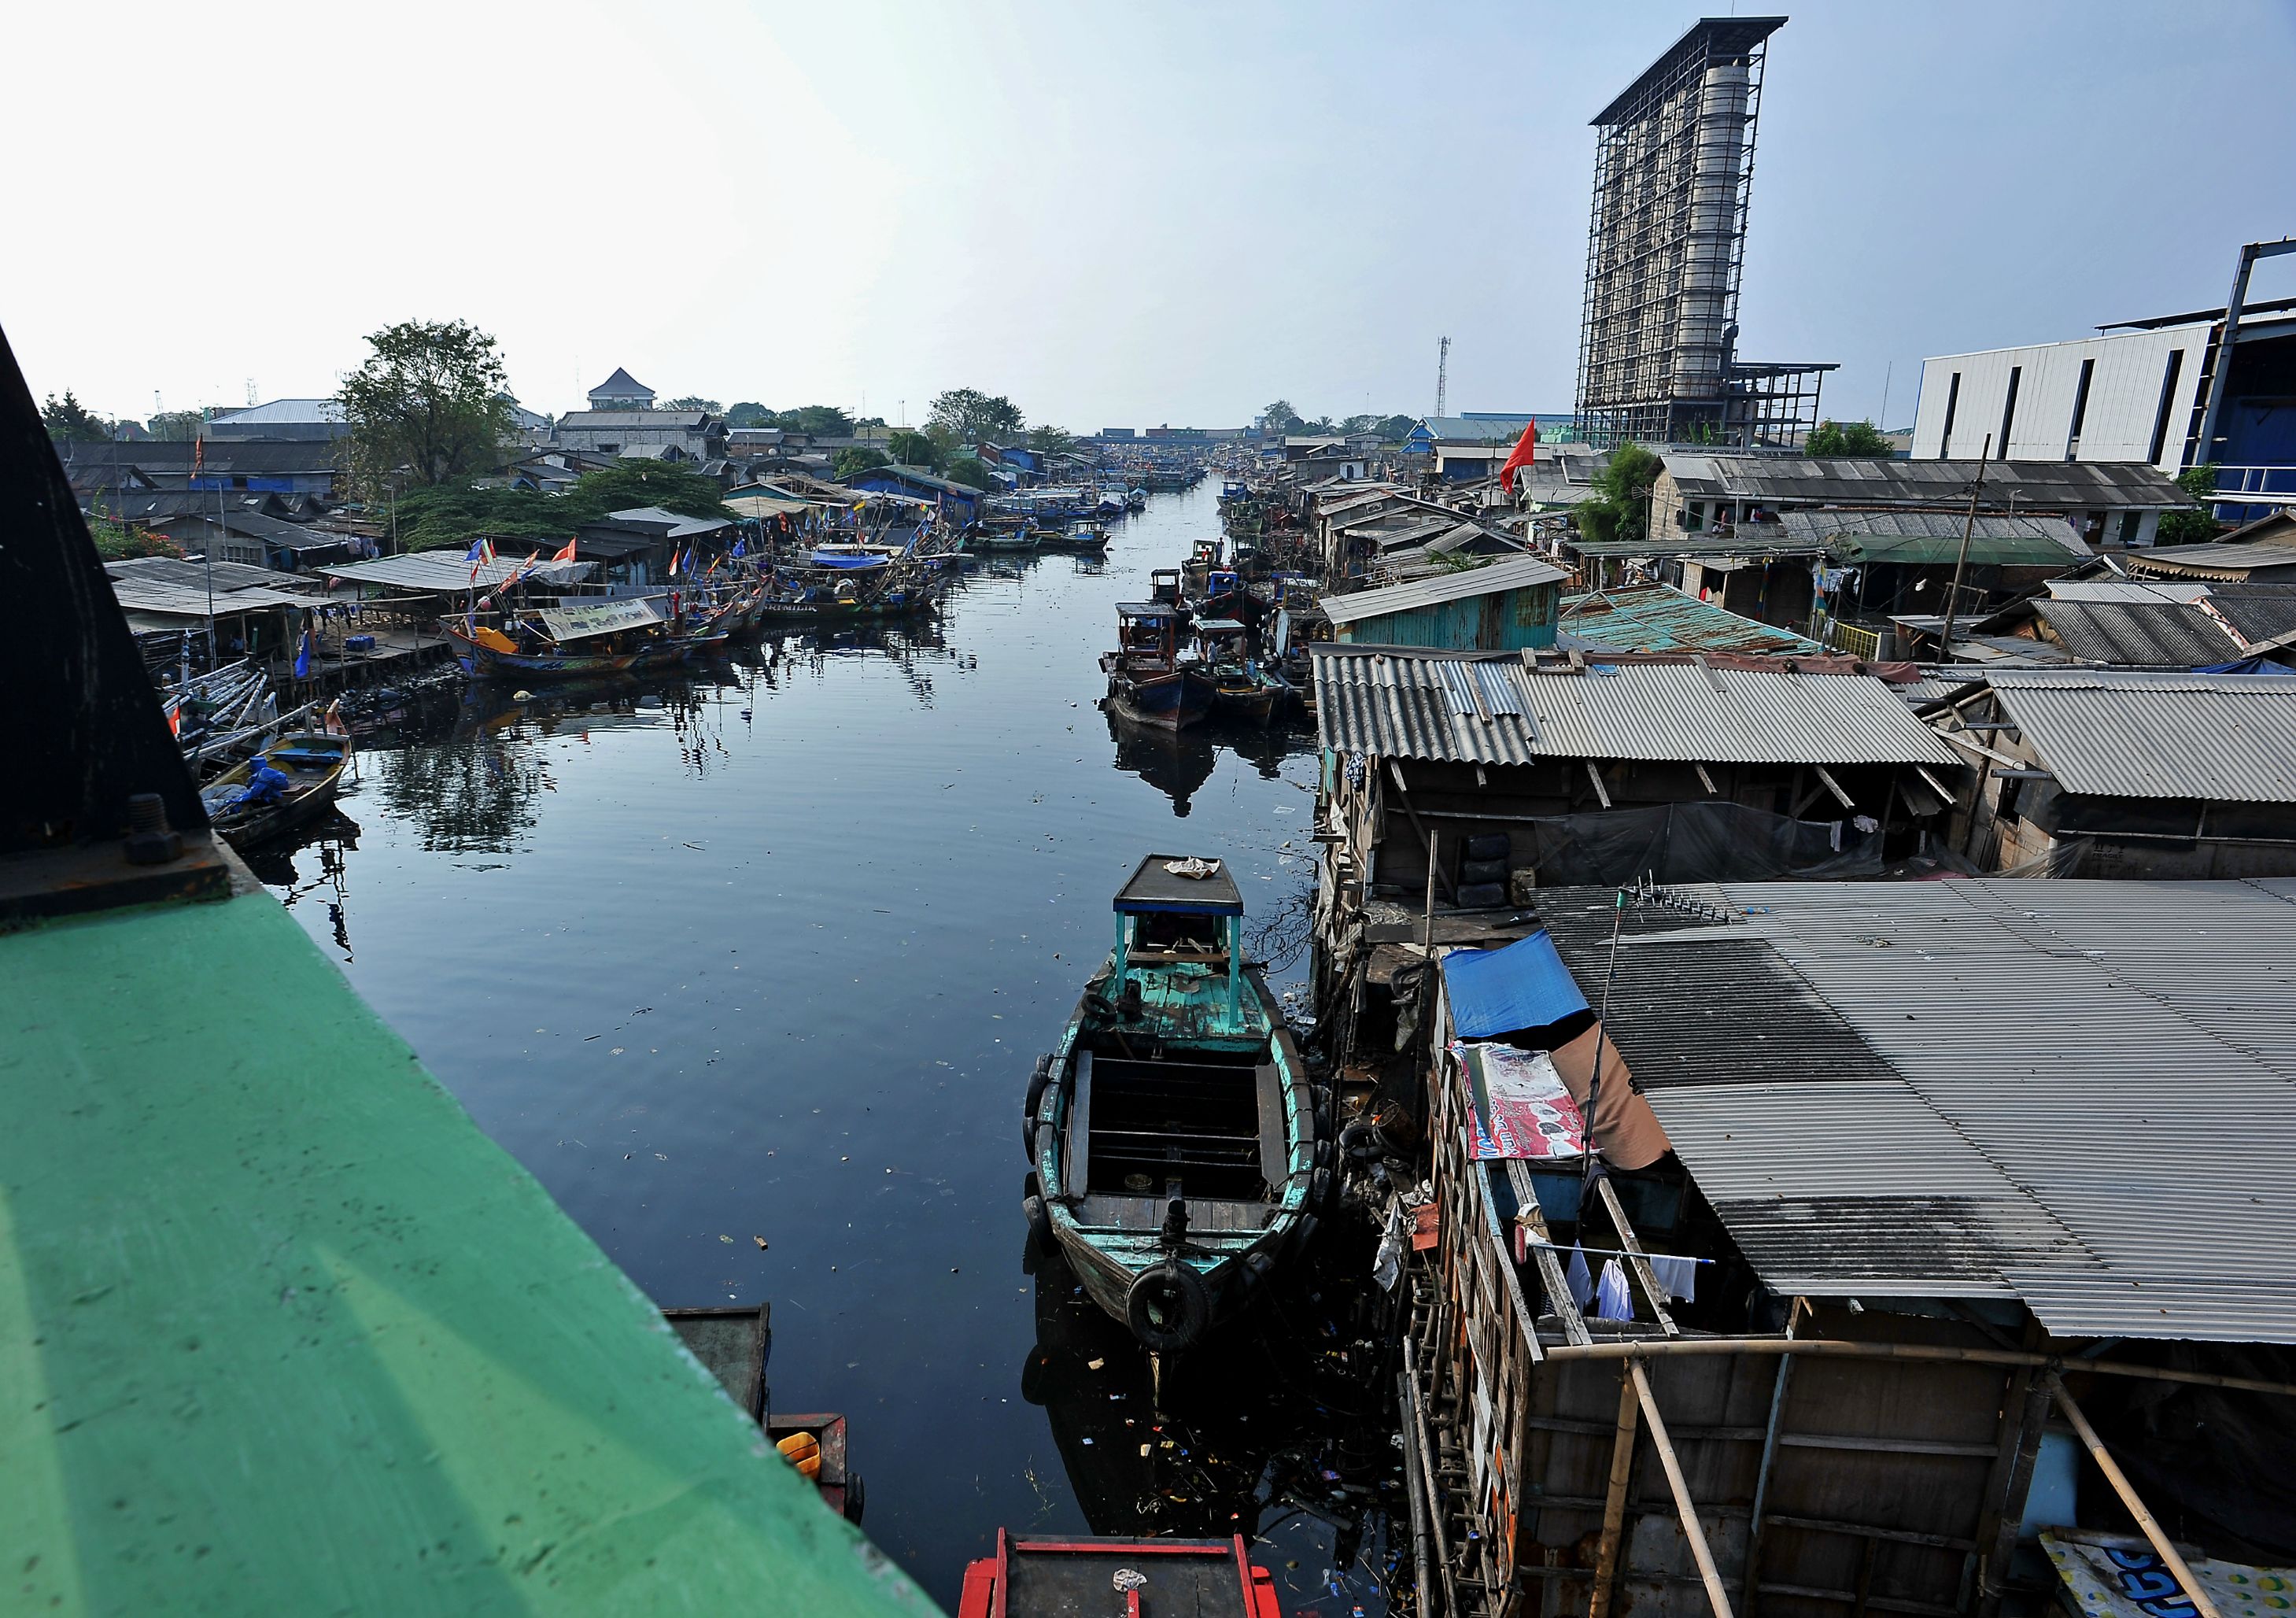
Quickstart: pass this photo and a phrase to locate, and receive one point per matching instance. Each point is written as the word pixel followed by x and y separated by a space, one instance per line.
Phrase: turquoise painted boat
pixel 1173 1136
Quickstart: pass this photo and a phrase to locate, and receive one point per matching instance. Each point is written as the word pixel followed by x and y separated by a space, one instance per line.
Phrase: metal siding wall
pixel 2124 397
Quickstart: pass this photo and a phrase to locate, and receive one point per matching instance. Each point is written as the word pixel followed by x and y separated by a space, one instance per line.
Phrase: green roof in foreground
pixel 280 1331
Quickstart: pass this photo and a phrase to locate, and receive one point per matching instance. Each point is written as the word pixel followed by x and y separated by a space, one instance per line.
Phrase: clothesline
pixel 1615 1253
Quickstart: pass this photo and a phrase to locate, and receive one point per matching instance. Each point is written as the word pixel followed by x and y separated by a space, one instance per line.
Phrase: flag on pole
pixel 482 554
pixel 566 553
pixel 1525 451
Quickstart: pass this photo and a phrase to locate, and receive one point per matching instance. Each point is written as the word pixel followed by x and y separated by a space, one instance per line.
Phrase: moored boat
pixel 1242 688
pixel 1085 537
pixel 1149 679
pixel 1173 1133
pixel 1062 1577
pixel 288 785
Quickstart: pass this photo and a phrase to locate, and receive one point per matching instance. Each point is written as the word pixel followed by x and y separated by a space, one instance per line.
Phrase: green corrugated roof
pixel 282 1332
pixel 1659 618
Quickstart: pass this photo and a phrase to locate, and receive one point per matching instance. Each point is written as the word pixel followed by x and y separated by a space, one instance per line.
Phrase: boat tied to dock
pixel 1173 1133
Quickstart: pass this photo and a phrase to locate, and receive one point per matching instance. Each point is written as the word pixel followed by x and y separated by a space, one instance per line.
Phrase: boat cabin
pixel 1147 632
pixel 1165 920
pixel 1222 639
pixel 1164 586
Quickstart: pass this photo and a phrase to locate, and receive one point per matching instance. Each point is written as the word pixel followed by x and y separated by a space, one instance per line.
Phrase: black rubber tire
pixel 857 1499
pixel 1170 1308
pixel 1363 1141
pixel 1319 1189
pixel 1491 845
pixel 1041 1220
pixel 1029 1186
pixel 1038 1080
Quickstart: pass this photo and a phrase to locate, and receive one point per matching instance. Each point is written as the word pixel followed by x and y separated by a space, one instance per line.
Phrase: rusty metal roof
pixel 1659 618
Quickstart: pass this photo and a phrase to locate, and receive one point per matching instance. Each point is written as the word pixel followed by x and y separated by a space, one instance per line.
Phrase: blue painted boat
pixel 1173 1133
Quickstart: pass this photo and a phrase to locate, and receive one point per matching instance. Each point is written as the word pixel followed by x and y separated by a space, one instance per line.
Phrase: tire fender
pixel 1169 1308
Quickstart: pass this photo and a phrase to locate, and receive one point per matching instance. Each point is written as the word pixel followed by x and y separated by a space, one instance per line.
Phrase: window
pixel 2168 398
pixel 2009 409
pixel 1952 403
pixel 2130 522
pixel 2081 408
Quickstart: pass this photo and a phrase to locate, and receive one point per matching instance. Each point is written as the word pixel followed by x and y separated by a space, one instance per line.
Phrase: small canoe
pixel 1173 1132
pixel 312 760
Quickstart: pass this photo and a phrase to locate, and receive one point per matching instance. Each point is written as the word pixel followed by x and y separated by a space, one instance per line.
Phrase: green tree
pixel 1050 439
pixel 2197 524
pixel 915 449
pixel 694 401
pixel 177 426
pixel 429 399
pixel 968 470
pixel 1280 417
pixel 1620 508
pixel 970 417
pixel 822 421
pixel 118 541
pixel 852 464
pixel 69 422
pixel 748 414
pixel 444 516
pixel 1841 441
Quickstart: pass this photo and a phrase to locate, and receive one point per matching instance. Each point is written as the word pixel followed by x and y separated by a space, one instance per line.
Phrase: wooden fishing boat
pixel 312 760
pixel 1066 1578
pixel 1005 541
pixel 1173 1132
pixel 1087 537
pixel 1149 680
pixel 1243 689
pixel 489 655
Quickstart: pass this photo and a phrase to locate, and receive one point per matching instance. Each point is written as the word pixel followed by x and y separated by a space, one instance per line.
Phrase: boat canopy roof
pixel 1154 889
pixel 1144 609
pixel 1218 626
pixel 578 621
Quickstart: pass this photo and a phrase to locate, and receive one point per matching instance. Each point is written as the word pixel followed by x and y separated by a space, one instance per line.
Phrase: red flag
pixel 1524 454
pixel 566 554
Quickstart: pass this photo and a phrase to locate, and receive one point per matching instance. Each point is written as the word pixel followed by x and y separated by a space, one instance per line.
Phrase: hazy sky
pixel 1118 215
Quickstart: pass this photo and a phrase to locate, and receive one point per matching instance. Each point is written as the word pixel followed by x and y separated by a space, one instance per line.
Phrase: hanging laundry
pixel 1676 1277
pixel 1581 1278
pixel 1611 1300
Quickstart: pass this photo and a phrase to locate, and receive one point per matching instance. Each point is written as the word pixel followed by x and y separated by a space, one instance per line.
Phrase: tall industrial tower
pixel 1442 372
pixel 1674 164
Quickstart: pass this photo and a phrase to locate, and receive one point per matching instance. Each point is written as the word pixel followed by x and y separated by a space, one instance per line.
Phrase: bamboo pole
pixel 1614 1500
pixel 2129 1498
pixel 1838 1348
pixel 1709 1575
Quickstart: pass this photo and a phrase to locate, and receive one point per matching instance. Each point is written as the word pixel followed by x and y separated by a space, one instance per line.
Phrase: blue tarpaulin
pixel 1502 992
pixel 2247 665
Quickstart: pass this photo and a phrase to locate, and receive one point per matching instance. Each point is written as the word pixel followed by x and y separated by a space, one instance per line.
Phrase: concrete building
pixel 696 435
pixel 621 391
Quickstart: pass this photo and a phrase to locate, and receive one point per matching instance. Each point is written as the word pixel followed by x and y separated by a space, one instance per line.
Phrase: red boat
pixel 1118 1579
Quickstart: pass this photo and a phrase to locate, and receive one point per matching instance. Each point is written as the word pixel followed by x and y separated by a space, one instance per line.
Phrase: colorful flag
pixel 481 554
pixel 566 553
pixel 303 655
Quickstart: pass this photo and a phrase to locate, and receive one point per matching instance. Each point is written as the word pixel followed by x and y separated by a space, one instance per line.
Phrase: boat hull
pixel 1237 1244
pixel 311 792
pixel 484 662
pixel 1176 700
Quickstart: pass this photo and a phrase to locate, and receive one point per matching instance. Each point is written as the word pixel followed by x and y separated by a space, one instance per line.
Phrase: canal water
pixel 750 970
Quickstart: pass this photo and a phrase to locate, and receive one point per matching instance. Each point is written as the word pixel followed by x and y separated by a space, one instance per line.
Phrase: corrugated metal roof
pixel 1404 704
pixel 2075 1093
pixel 1932 537
pixel 1458 584
pixel 1850 482
pixel 1659 618
pixel 2226 562
pixel 2152 634
pixel 448 572
pixel 2209 737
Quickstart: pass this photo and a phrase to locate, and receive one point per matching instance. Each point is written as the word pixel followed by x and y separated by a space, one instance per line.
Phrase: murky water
pixel 769 955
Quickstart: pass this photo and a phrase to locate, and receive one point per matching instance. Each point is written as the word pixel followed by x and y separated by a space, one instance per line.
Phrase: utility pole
pixel 1961 562
pixel 1442 372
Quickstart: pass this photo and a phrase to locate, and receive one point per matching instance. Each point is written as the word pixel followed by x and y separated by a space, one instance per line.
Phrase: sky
pixel 1161 213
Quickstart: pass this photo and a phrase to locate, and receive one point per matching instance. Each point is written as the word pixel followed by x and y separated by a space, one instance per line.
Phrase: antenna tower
pixel 1442 372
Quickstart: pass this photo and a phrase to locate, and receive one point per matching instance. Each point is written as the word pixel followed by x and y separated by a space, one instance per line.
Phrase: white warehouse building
pixel 2138 392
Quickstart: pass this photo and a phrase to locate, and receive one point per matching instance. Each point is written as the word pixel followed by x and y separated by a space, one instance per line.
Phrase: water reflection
pixel 1178 762
pixel 1276 1429
pixel 323 843
pixel 1175 763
